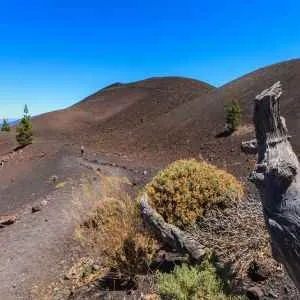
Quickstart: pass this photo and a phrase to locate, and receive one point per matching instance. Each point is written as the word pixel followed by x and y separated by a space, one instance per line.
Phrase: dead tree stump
pixel 277 177
pixel 170 234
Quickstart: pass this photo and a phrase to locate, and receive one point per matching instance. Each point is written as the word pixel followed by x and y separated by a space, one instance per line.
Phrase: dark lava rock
pixel 249 147
pixel 7 220
pixel 255 293
pixel 36 208
pixel 272 295
pixel 166 261
pixel 258 271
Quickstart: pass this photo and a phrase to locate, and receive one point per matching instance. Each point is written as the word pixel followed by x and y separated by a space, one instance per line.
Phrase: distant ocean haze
pixel 11 121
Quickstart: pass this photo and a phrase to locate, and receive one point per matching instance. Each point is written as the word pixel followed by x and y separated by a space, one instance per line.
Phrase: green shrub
pixel 192 283
pixel 233 116
pixel 181 284
pixel 185 189
pixel 5 126
pixel 24 129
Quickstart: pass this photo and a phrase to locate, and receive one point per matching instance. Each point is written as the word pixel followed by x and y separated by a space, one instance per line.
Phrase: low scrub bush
pixel 181 284
pixel 115 232
pixel 185 189
pixel 192 283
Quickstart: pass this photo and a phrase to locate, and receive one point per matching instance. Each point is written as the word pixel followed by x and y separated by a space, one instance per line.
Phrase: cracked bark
pixel 277 177
pixel 170 234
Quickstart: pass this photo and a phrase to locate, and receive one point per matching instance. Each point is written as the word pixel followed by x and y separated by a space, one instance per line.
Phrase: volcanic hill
pixel 167 118
pixel 160 119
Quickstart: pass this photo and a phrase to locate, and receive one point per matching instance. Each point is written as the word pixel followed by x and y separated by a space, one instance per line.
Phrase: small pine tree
pixel 5 125
pixel 26 111
pixel 233 116
pixel 24 129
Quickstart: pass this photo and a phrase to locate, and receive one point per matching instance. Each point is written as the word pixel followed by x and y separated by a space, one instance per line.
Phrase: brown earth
pixel 191 127
pixel 139 125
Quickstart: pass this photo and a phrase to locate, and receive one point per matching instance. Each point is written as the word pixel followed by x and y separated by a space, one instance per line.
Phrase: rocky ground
pixel 40 248
pixel 37 225
pixel 39 245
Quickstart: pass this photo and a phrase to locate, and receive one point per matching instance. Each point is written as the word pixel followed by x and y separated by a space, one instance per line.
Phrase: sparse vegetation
pixel 5 125
pixel 188 283
pixel 115 231
pixel 24 129
pixel 181 284
pixel 184 190
pixel 233 116
pixel 61 185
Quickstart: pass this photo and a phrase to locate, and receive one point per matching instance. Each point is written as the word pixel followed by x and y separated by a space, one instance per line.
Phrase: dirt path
pixel 40 246
pixel 34 248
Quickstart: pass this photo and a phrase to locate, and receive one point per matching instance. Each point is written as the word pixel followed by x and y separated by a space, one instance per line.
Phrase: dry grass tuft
pixel 115 231
pixel 61 185
pixel 187 188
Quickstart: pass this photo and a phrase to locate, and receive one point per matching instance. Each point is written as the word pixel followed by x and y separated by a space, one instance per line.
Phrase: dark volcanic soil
pixel 40 245
pixel 190 128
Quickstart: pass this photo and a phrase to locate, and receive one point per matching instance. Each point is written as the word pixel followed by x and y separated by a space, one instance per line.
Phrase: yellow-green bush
pixel 186 188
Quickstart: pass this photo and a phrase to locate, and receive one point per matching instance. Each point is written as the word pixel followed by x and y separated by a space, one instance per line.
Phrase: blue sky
pixel 54 53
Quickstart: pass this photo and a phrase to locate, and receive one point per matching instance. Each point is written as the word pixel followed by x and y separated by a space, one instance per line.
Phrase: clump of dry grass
pixel 115 231
pixel 187 188
pixel 83 272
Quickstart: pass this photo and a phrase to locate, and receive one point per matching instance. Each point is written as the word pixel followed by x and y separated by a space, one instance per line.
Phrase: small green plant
pixel 181 284
pixel 5 126
pixel 184 190
pixel 192 283
pixel 24 129
pixel 233 116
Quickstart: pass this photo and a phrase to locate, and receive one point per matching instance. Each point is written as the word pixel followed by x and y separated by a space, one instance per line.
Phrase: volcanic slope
pixel 194 127
pixel 161 119
pixel 128 103
pixel 61 133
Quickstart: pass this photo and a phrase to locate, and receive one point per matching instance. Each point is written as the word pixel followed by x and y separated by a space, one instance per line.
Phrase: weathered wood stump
pixel 170 234
pixel 277 177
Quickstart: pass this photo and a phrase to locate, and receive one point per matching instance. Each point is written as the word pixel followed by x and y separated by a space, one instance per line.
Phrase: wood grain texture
pixel 276 175
pixel 170 234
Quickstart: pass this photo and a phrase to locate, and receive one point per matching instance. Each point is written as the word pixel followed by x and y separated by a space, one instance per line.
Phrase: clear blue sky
pixel 54 53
